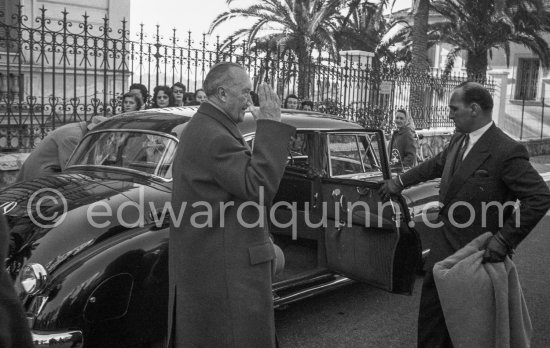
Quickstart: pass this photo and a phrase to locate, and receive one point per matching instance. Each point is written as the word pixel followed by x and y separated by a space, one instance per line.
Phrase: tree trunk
pixel 420 36
pixel 419 63
pixel 303 69
pixel 476 66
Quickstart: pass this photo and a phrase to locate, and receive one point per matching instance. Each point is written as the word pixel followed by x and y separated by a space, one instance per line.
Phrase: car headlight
pixel 33 278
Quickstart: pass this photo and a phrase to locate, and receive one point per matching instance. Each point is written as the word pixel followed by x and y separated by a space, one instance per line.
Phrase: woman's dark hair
pixel 135 96
pixel 168 91
pixel 288 97
pixel 197 91
pixel 180 85
pixel 143 90
pixel 307 102
pixel 188 97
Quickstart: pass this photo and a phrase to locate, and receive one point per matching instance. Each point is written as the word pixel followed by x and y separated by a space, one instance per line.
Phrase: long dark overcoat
pixel 220 267
pixel 14 329
pixel 403 141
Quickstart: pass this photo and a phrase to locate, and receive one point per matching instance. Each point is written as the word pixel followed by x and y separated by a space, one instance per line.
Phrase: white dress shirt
pixel 474 137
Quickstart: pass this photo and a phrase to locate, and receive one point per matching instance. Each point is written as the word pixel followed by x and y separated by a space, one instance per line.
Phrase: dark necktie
pixel 461 152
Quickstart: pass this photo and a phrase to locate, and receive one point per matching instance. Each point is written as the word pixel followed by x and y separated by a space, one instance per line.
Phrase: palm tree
pixel 419 35
pixel 364 29
pixel 295 25
pixel 419 65
pixel 478 26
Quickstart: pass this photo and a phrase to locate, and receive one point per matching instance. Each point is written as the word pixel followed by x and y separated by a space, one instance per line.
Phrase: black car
pixel 89 245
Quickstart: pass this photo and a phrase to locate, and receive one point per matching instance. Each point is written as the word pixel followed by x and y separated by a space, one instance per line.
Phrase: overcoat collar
pixel 213 112
pixel 477 155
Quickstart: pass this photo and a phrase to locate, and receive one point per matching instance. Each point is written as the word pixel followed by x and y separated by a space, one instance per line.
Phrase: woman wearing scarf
pixel 402 144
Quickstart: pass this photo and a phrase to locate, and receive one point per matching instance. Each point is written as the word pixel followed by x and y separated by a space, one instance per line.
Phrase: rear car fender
pixel 107 281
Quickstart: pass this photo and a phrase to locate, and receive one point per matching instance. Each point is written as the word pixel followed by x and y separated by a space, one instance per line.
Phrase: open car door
pixel 366 239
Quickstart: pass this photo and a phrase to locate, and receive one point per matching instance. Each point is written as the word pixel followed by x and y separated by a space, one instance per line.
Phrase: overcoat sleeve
pixel 243 174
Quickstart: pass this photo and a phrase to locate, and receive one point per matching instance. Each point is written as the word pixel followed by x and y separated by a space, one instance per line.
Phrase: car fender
pixel 112 287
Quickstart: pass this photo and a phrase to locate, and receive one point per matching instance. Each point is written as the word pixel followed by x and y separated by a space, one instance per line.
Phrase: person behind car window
pixel 480 167
pixel 200 96
pixel 220 273
pixel 14 329
pixel 307 105
pixel 131 101
pixel 291 102
pixel 402 142
pixel 142 90
pixel 162 97
pixel 53 152
pixel 178 89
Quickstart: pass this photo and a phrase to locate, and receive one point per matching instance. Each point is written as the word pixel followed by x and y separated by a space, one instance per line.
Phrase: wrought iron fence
pixel 55 72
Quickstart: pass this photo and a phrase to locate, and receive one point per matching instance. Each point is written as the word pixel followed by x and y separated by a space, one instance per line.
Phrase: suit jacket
pixel 220 273
pixel 495 171
pixel 14 329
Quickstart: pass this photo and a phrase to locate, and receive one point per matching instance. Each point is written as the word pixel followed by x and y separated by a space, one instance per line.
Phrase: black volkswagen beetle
pixel 89 245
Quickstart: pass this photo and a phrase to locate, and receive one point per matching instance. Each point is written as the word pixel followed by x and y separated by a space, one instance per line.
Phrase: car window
pixel 144 152
pixel 298 157
pixel 354 154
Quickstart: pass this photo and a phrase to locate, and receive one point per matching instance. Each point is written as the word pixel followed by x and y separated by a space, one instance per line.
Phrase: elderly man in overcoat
pixel 14 329
pixel 220 253
pixel 483 172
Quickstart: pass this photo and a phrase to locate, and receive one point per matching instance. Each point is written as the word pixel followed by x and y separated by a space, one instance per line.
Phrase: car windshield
pixel 150 153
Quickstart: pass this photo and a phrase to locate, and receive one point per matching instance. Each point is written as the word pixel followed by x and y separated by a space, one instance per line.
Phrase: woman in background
pixel 188 98
pixel 200 96
pixel 402 144
pixel 291 102
pixel 131 101
pixel 163 97
pixel 178 89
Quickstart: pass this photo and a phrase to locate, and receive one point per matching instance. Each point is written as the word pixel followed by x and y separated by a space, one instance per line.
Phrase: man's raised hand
pixel 270 104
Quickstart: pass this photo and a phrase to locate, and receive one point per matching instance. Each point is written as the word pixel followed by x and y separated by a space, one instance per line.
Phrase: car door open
pixel 366 239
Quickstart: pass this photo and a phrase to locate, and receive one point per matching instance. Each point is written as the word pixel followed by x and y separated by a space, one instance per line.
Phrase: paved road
pixel 361 316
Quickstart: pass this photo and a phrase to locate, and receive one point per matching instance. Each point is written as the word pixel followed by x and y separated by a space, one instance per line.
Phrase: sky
pixel 194 15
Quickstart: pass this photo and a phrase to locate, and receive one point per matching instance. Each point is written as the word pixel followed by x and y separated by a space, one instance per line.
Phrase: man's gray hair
pixel 219 75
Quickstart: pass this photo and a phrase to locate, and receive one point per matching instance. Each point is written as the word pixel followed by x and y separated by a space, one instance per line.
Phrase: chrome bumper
pixel 57 339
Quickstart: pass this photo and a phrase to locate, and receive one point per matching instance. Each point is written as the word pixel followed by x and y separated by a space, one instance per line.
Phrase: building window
pixel 527 78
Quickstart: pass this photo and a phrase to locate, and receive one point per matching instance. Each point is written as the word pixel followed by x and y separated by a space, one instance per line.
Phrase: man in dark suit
pixel 14 329
pixel 220 253
pixel 483 172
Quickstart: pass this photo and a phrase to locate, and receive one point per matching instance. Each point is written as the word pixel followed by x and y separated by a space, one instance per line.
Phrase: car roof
pixel 164 120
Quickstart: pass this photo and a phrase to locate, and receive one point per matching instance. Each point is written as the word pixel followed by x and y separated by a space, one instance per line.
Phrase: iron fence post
pixel 542 119
pixel 522 116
